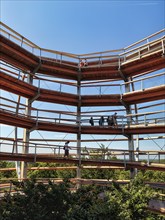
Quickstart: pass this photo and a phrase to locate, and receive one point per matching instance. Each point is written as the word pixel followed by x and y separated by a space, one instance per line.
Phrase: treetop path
pixel 129 81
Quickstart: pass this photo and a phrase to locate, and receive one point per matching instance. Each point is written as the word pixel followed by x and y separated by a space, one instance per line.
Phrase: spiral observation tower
pixel 47 93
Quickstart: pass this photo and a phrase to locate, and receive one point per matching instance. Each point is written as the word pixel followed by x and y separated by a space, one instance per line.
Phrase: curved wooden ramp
pixel 53 159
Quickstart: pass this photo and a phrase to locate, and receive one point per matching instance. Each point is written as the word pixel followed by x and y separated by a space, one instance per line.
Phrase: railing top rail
pixel 30 43
pixel 139 47
pixel 17 34
pixel 146 38
pixel 144 78
pixel 90 149
pixel 80 56
pixel 73 114
pixel 146 113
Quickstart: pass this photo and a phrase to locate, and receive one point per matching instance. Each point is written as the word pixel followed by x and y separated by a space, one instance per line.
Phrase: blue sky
pixel 84 26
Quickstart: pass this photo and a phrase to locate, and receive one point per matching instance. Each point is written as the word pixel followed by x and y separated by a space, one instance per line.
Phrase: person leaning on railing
pixel 83 62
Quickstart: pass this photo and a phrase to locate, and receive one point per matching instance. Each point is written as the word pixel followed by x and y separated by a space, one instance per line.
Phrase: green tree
pixel 36 202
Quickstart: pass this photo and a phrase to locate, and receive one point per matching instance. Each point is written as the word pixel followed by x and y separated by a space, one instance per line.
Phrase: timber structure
pixel 127 81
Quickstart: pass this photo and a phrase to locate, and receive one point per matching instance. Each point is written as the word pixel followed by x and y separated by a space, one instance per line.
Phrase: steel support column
pixel 137 136
pixel 26 134
pixel 79 126
pixel 130 137
pixel 18 163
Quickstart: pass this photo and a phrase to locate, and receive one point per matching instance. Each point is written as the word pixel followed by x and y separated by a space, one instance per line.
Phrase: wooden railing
pixel 134 50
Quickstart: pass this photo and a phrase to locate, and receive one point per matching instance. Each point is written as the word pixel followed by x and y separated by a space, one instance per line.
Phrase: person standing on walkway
pixel 91 121
pixel 110 121
pixel 114 116
pixel 101 121
pixel 66 149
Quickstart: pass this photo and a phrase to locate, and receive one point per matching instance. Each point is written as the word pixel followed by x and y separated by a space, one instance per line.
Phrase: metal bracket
pixel 37 68
pixel 123 103
pixel 34 128
pixel 34 98
pixel 127 135
pixel 122 75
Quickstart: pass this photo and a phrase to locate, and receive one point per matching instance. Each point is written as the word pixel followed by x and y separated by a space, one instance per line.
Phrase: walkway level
pixel 12 119
pixel 63 168
pixel 134 62
pixel 53 159
pixel 12 84
pixel 157 206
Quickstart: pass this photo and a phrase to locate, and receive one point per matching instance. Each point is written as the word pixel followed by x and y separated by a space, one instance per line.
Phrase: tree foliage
pixel 36 201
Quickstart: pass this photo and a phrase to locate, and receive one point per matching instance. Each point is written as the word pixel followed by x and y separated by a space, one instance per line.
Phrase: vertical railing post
pixel 139 53
pixel 37 118
pixel 142 85
pixel 148 45
pixel 122 125
pixel 35 153
pixel 40 53
pixel 39 83
pixel 159 157
pixel 60 87
pixel 22 41
pixel 124 160
pixel 145 122
pixel 163 47
pixel 121 90
pixel 59 117
pixel 61 59
pixel 19 75
pixel 124 56
pixel 148 158
pixel 119 62
pixel 58 150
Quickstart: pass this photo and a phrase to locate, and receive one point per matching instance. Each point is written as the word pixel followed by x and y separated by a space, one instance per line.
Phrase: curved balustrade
pixel 56 78
pixel 69 118
pixel 24 89
pixel 12 149
pixel 107 59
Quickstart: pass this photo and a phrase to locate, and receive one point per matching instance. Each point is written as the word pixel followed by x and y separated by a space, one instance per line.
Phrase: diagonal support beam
pixel 122 75
pixel 37 68
pixel 34 98
pixel 123 103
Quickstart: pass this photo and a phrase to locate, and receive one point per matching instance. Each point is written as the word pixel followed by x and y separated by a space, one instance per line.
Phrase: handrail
pixel 87 149
pixel 83 140
pixel 141 46
pixel 144 78
pixel 42 110
pixel 146 38
pixel 30 43
pixel 140 80
pixel 88 55
pixel 62 112
pixel 121 123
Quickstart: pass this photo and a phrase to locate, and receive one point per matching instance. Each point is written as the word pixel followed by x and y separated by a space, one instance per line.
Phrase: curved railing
pixel 70 118
pixel 87 153
pixel 133 51
pixel 96 87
